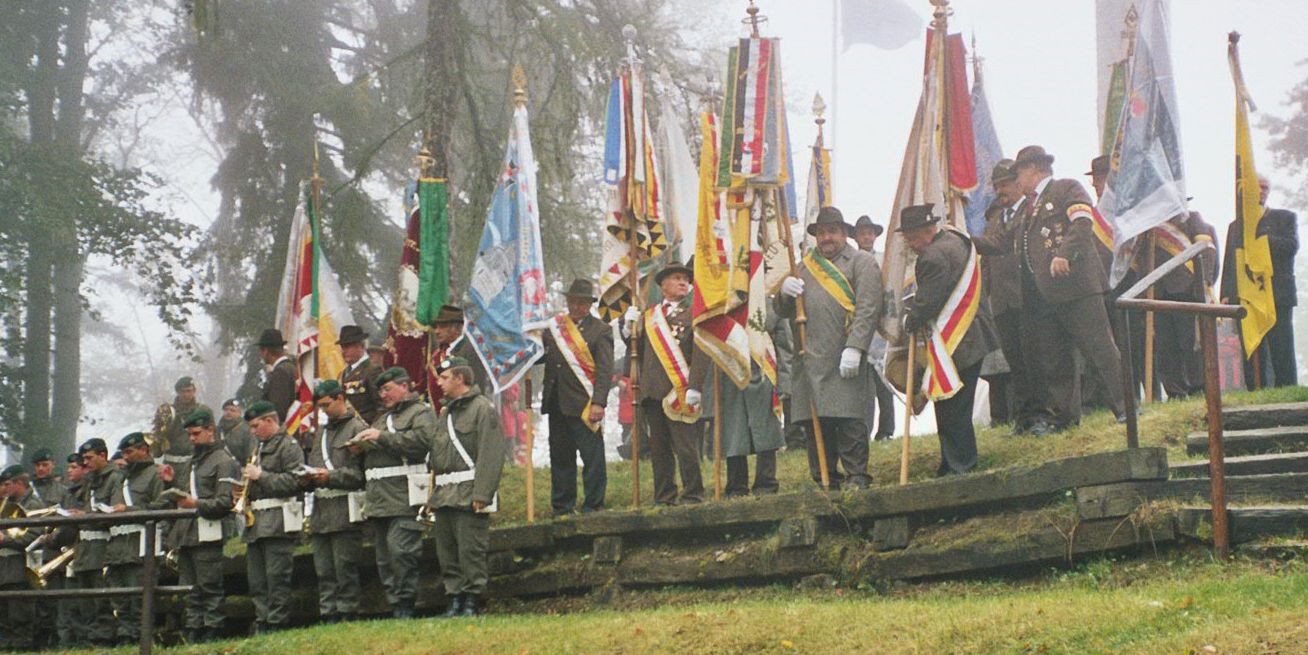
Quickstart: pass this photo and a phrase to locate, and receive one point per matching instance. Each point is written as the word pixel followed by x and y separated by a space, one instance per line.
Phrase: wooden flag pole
pixel 717 433
pixel 1149 327
pixel 531 449
pixel 908 413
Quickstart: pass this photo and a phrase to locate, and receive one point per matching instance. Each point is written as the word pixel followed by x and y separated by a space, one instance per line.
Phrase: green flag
pixel 433 248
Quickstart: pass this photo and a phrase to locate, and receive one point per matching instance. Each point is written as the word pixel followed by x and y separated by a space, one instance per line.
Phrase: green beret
pixel 392 374
pixel 200 418
pixel 258 409
pixel 94 444
pixel 451 362
pixel 133 439
pixel 73 458
pixel 184 382
pixel 327 388
pixel 12 471
pixel 42 455
pixel 232 402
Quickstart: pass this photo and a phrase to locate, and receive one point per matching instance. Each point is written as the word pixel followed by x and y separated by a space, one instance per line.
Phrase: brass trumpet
pixel 38 578
pixel 242 505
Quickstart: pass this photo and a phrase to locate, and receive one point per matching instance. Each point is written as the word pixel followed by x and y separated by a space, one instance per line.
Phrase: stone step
pixel 1247 465
pixel 1249 442
pixel 1253 417
pixel 1247 523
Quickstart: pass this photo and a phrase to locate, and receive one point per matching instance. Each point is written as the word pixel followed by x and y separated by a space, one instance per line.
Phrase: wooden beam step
pixel 1247 523
pixel 1252 417
pixel 1295 462
pixel 1122 498
pixel 1250 442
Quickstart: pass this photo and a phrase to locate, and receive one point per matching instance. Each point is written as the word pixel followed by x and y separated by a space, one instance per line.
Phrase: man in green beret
pixel 101 480
pixel 274 499
pixel 71 620
pixel 467 451
pixel 336 518
pixel 397 481
pixel 45 484
pixel 199 541
pixel 17 617
pixel 171 447
pixel 233 433
pixel 141 489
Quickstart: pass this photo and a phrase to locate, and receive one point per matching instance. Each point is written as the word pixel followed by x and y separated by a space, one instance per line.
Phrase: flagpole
pixel 633 283
pixel 941 24
pixel 835 65
pixel 315 184
pixel 908 415
pixel 717 432
pixel 520 101
pixel 1149 325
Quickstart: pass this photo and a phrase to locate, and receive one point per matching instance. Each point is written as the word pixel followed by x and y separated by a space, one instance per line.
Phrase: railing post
pixel 1216 451
pixel 1128 380
pixel 148 581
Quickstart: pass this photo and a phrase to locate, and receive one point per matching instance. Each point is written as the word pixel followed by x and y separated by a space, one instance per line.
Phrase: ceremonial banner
pixel 1115 25
pixel 424 283
pixel 1253 255
pixel 886 24
pixel 755 150
pixel 1146 181
pixel 634 197
pixel 311 308
pixel 505 301
pixel 720 302
pixel 819 190
pixel 988 153
pixel 681 179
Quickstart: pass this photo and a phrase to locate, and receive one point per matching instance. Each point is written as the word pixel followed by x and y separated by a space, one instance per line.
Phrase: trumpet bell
pixel 39 578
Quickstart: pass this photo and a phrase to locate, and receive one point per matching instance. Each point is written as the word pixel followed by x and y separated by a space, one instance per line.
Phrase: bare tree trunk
pixel 66 410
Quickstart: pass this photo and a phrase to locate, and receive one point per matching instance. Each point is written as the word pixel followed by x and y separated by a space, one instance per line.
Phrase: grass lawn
pixel 1185 605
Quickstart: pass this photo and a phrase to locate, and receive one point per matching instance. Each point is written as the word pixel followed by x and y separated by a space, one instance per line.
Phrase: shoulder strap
pixel 458 445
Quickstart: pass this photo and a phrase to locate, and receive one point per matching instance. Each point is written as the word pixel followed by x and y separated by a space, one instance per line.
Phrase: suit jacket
pixel 562 391
pixel 999 266
pixel 654 382
pixel 280 387
pixel 1179 284
pixel 360 385
pixel 1281 229
pixel 938 270
pixel 1049 230
pixel 816 374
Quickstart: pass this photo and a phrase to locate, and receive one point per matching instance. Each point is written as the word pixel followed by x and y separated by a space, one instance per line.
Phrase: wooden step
pixel 1253 417
pixel 1122 498
pixel 1247 523
pixel 1247 465
pixel 1249 442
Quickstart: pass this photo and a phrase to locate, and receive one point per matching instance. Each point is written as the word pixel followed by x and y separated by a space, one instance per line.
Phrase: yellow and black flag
pixel 1253 256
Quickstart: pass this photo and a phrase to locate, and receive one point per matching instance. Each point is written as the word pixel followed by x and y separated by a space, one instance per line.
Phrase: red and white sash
pixel 948 329
pixel 577 354
pixel 674 364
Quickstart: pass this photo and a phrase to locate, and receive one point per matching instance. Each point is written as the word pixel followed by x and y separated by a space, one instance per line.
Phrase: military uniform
pixel 234 435
pixel 1001 275
pixel 17 627
pixel 175 449
pixel 463 349
pixel 275 499
pixel 564 400
pixel 467 464
pixel 360 383
pixel 673 444
pixel 97 494
pixel 50 492
pixel 841 403
pixel 390 509
pixel 70 622
pixel 140 489
pixel 940 266
pixel 199 542
pixel 337 540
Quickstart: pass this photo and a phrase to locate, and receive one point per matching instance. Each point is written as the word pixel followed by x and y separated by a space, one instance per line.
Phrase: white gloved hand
pixel 629 319
pixel 849 360
pixel 693 397
pixel 792 286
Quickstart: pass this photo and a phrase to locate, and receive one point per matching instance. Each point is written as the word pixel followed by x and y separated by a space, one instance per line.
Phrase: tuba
pixel 158 438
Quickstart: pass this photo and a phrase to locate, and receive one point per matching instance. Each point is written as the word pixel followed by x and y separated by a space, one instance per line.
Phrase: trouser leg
pixel 279 562
pixel 347 548
pixel 256 575
pixel 1048 351
pixel 16 630
pixel 954 425
pixel 686 438
pixel 831 448
pixel 405 540
pixel 127 610
pixel 1087 323
pixel 737 476
pixel 885 408
pixel 445 534
pixel 70 622
pixel 381 548
pixel 1008 326
pixel 795 432
pixel 473 534
pixel 851 440
pixel 186 576
pixel 324 567
pixel 660 452
pixel 563 465
pixel 97 611
pixel 765 473
pixel 594 470
pixel 1280 341
pixel 201 567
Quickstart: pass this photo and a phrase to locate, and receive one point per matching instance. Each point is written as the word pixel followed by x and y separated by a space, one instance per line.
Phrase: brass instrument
pixel 158 437
pixel 242 505
pixel 39 577
pixel 10 510
pixel 426 514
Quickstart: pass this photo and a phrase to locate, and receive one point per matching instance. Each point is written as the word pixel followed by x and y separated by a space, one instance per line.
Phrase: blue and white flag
pixel 506 307
pixel 988 153
pixel 1146 183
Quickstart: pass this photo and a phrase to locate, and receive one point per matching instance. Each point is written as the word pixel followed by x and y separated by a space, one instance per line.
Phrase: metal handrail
pixel 149 571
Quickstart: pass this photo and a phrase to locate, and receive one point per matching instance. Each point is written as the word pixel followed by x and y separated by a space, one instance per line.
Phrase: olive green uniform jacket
pixel 331 508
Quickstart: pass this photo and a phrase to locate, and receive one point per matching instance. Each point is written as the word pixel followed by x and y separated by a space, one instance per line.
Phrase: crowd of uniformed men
pixel 391 463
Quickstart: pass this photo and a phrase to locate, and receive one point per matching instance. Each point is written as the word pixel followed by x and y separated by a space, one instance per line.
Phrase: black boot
pixel 404 611
pixel 469 605
pixel 455 608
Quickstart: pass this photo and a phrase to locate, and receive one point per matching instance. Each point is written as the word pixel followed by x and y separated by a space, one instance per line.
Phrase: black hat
pixel 94 444
pixel 184 382
pixel 351 334
pixel 392 374
pixel 272 338
pixel 1002 172
pixel 42 455
pixel 328 387
pixel 232 402
pixel 827 216
pixel 259 409
pixel 73 458
pixel 581 288
pixel 866 221
pixel 200 418
pixel 915 216
pixel 1032 155
pixel 449 314
pixel 132 439
pixel 453 361
pixel 12 471
pixel 674 267
pixel 1098 166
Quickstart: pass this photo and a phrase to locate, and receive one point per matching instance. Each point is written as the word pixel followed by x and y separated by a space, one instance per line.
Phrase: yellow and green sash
pixel 832 281
pixel 577 354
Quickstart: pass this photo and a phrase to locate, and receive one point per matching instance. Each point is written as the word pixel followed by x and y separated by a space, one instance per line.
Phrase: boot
pixel 455 608
pixel 402 612
pixel 469 605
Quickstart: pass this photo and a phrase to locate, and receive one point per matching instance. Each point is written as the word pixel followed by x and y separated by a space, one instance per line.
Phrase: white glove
pixel 849 360
pixel 629 319
pixel 792 286
pixel 692 397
